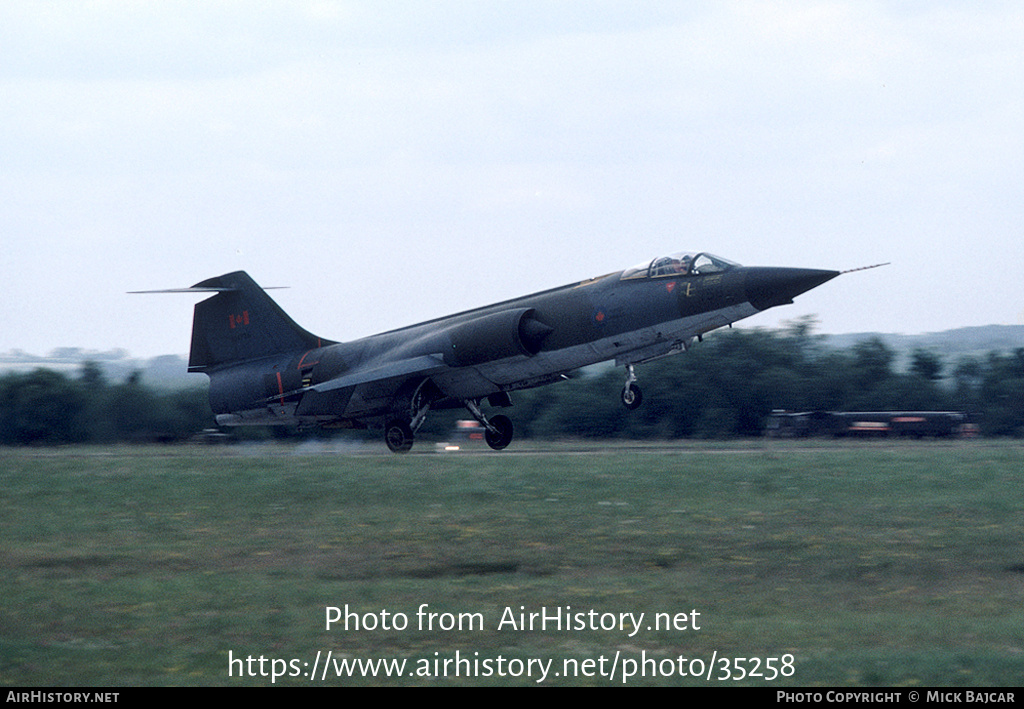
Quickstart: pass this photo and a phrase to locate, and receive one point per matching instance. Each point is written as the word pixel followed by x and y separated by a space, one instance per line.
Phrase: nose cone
pixel 768 287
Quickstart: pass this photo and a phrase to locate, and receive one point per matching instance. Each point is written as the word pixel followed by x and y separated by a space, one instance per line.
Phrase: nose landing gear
pixel 632 396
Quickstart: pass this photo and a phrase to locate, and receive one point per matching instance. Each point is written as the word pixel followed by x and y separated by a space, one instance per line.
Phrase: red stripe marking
pixel 299 366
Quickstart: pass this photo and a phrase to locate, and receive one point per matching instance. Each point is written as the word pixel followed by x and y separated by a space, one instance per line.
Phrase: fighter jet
pixel 266 369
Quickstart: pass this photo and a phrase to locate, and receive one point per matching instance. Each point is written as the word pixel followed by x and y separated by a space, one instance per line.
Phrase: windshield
pixel 683 263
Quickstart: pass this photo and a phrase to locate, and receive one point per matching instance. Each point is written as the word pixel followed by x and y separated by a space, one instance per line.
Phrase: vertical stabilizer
pixel 240 323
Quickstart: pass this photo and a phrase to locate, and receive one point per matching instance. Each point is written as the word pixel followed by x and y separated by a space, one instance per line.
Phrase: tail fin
pixel 242 323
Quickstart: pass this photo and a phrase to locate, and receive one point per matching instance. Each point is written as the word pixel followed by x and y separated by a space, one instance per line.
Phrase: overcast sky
pixel 396 161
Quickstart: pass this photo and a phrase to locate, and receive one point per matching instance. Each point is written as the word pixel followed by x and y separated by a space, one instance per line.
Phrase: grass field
pixel 868 564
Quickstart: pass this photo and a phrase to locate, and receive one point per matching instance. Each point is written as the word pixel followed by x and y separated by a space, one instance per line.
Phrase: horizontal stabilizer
pixel 200 289
pixel 193 289
pixel 865 268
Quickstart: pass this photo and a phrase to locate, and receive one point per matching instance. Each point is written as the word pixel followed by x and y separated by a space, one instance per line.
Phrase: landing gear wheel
pixel 632 397
pixel 398 436
pixel 501 436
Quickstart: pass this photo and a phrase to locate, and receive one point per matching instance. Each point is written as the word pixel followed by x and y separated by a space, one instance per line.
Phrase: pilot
pixel 683 266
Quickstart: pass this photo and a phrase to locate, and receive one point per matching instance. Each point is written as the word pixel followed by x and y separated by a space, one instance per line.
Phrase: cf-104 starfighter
pixel 266 369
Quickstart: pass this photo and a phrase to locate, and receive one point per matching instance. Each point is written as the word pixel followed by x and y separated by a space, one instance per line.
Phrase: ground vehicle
pixel 918 424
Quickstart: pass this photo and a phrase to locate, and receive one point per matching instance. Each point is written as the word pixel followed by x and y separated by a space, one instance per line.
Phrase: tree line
pixel 726 386
pixel 45 407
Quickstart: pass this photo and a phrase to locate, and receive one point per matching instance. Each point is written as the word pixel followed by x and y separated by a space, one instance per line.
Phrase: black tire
pixel 632 397
pixel 398 437
pixel 503 432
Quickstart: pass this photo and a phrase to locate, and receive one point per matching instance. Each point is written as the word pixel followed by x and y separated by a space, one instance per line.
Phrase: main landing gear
pixel 399 433
pixel 632 396
pixel 498 431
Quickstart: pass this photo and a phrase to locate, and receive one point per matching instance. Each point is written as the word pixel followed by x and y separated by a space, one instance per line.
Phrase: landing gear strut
pixel 399 433
pixel 632 397
pixel 498 431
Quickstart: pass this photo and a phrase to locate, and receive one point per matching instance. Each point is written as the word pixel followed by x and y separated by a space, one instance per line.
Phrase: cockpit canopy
pixel 683 263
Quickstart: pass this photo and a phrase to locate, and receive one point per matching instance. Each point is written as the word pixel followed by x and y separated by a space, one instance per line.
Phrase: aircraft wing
pixel 365 390
pixel 424 365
